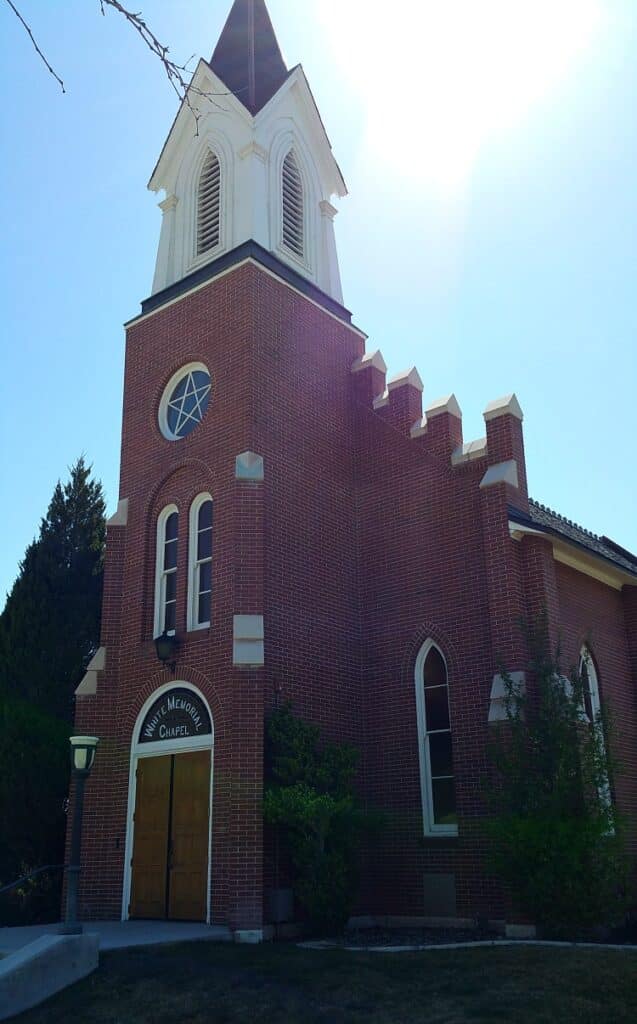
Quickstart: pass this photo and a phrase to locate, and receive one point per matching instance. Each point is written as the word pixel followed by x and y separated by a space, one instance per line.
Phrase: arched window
pixel 209 205
pixel 434 739
pixel 200 563
pixel 293 217
pixel 591 711
pixel 590 685
pixel 166 571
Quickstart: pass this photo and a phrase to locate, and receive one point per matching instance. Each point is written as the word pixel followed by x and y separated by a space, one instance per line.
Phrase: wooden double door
pixel 171 837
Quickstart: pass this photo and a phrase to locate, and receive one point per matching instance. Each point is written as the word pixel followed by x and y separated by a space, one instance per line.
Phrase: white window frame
pixel 282 145
pixel 160 572
pixel 429 826
pixel 167 394
pixel 194 563
pixel 586 658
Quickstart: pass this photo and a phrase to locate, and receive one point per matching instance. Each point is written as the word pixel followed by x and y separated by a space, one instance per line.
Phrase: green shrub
pixel 556 838
pixel 310 798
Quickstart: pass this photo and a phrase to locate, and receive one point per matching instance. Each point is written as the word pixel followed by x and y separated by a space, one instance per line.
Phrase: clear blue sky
pixel 496 258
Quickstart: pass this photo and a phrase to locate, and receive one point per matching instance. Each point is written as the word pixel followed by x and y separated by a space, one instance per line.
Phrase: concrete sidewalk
pixel 121 934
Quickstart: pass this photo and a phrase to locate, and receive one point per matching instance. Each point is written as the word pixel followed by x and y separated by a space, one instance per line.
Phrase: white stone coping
pixel 501 473
pixel 249 466
pixel 121 515
pixel 374 359
pixel 381 400
pixel 407 378
pixel 506 406
pixel 88 686
pixel 419 428
pixel 447 404
pixel 469 451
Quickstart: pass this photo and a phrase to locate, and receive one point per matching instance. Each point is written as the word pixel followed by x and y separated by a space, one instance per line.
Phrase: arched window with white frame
pixel 590 686
pixel 200 563
pixel 166 571
pixel 209 204
pixel 591 712
pixel 434 742
pixel 293 207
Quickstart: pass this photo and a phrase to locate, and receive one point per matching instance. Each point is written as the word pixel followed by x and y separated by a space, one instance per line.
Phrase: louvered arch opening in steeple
pixel 209 205
pixel 293 218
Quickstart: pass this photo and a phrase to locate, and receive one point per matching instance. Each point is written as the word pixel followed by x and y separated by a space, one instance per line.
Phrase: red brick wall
pixel 593 613
pixel 359 545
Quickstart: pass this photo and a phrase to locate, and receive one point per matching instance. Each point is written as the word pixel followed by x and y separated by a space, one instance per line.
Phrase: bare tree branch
pixel 37 48
pixel 174 72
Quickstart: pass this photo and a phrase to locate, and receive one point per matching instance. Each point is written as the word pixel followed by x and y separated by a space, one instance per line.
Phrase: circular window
pixel 184 402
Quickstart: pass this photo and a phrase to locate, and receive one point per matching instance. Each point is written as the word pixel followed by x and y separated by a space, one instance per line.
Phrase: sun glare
pixel 439 78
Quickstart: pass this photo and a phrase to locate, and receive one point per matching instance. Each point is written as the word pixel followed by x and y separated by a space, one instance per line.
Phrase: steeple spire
pixel 247 57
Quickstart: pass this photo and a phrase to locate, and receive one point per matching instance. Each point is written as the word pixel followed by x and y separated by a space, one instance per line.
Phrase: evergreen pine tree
pixel 50 626
pixel 49 630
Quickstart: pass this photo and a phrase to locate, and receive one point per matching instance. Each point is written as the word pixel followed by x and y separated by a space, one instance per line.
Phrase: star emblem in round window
pixel 185 401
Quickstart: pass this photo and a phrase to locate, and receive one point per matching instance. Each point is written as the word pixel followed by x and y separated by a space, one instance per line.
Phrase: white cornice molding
pixel 327 209
pixel 169 203
pixel 231 270
pixel 572 556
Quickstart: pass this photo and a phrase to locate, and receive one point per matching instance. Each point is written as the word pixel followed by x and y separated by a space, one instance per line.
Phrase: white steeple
pixel 256 164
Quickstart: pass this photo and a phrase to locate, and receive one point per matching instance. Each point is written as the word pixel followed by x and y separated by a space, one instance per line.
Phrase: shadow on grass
pixel 203 983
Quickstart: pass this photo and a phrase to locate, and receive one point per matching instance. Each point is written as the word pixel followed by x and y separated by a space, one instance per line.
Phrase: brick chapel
pixel 301 528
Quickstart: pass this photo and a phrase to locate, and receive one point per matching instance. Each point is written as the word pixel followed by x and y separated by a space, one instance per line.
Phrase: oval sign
pixel 177 714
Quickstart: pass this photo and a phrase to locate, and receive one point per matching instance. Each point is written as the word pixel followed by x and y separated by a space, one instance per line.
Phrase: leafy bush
pixel 309 796
pixel 557 840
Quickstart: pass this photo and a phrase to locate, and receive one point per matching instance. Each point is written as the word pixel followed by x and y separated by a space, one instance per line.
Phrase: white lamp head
pixel 83 752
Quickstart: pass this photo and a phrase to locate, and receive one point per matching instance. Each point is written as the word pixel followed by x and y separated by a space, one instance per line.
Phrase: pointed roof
pixel 247 57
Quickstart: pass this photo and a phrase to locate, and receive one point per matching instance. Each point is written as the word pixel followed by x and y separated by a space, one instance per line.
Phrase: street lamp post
pixel 82 757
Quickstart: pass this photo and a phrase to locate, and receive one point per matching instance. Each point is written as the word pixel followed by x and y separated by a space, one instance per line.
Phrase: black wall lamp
pixel 166 647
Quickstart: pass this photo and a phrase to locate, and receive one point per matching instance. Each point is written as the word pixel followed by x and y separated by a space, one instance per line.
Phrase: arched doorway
pixel 167 874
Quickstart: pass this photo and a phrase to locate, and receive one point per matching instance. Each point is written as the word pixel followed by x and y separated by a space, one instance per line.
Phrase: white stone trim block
pixel 447 404
pixel 501 473
pixel 381 400
pixel 507 406
pixel 469 451
pixel 121 516
pixel 497 700
pixel 407 377
pixel 249 466
pixel 248 636
pixel 374 359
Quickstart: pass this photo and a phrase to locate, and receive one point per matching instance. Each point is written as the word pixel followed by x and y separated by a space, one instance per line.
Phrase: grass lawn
pixel 204 983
